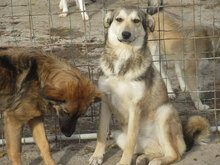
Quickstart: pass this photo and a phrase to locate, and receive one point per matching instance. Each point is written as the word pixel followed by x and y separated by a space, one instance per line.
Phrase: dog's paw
pixel 155 162
pixel 63 14
pixel 202 107
pixel 95 160
pixel 184 88
pixel 85 16
pixel 172 95
pixel 141 160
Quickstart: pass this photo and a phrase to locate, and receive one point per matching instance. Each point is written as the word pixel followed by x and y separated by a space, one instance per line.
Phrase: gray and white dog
pixel 135 93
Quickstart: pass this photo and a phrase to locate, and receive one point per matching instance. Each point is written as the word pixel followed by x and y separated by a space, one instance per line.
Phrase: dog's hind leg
pixel 61 4
pixel 13 133
pixel 82 7
pixel 64 7
pixel 159 66
pixel 181 77
pixel 192 83
pixel 167 135
pixel 38 132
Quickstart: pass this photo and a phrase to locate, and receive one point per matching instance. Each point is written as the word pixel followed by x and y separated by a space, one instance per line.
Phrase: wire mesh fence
pixel 36 23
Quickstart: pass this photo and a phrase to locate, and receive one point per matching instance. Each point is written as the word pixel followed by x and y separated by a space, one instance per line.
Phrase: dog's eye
pixel 119 19
pixel 136 20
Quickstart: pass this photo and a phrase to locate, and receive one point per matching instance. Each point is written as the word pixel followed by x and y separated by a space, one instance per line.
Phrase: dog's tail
pixel 196 131
pixel 154 6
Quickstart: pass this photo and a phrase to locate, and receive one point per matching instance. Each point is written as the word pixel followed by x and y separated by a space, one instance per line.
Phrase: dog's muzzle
pixel 126 37
pixel 67 124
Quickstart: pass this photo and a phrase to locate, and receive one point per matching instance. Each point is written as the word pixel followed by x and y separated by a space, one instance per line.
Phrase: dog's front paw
pixel 95 160
pixel 85 16
pixel 63 15
pixel 172 95
pixel 202 107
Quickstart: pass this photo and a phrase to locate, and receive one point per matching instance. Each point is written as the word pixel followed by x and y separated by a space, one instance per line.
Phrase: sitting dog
pixel 135 93
pixel 80 3
pixel 30 85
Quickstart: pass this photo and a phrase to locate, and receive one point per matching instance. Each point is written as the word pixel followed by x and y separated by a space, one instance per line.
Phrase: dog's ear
pixel 154 5
pixel 108 19
pixel 150 22
pixel 147 21
pixel 52 94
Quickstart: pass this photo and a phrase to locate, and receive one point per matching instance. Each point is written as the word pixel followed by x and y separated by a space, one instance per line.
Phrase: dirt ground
pixel 75 153
pixel 67 37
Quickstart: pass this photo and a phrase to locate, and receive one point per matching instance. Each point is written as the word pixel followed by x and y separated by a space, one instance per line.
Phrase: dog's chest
pixel 117 61
pixel 123 55
pixel 121 94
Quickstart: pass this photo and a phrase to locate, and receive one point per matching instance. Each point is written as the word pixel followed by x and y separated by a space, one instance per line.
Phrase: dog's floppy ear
pixel 52 94
pixel 150 22
pixel 108 19
pixel 147 21
pixel 153 6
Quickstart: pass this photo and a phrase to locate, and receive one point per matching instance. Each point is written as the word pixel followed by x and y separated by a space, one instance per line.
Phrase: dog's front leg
pixel 104 120
pixel 82 7
pixel 13 133
pixel 156 55
pixel 64 7
pixel 38 132
pixel 133 130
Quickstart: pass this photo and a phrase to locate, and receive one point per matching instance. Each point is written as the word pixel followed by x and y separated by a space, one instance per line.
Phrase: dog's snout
pixel 126 34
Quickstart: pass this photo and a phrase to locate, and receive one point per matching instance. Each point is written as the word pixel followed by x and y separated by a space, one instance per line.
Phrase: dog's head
pixel 71 99
pixel 128 25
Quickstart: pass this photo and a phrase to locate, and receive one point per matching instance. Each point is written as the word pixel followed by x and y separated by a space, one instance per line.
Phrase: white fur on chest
pixel 123 55
pixel 121 93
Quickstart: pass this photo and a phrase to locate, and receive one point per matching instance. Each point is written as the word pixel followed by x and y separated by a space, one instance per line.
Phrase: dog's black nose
pixel 126 35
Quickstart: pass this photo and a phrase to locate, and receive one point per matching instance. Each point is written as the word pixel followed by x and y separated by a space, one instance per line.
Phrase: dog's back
pixel 14 70
pixel 178 39
pixel 19 81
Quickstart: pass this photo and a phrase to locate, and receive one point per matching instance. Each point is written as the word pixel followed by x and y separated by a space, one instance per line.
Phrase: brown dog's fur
pixel 32 83
pixel 184 45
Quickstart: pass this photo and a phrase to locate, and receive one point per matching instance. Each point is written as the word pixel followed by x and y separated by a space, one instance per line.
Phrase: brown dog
pixel 32 83
pixel 183 45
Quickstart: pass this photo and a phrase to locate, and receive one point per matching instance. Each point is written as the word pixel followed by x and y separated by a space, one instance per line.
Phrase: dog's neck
pixel 125 60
